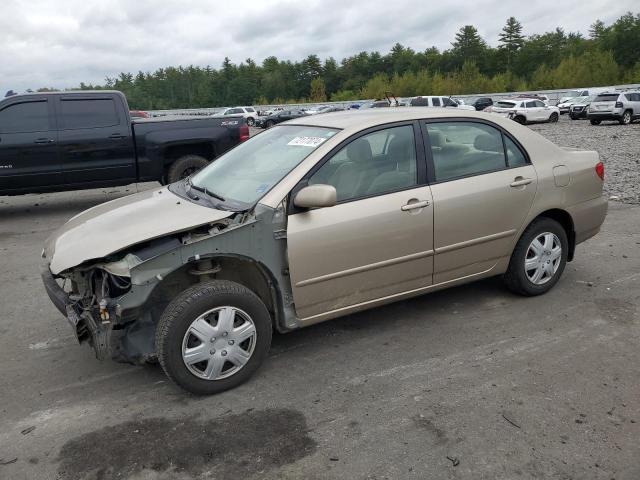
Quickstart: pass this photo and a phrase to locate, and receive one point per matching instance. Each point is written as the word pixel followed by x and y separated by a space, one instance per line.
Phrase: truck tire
pixel 185 166
pixel 213 337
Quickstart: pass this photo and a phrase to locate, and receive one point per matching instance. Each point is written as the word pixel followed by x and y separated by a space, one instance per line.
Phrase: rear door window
pixel 25 117
pixel 462 149
pixel 88 113
pixel 435 101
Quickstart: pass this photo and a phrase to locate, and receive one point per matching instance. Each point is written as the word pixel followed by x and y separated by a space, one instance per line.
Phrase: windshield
pixel 243 175
pixel 571 94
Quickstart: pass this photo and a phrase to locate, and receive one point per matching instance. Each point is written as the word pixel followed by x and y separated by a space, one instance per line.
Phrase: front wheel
pixel 213 337
pixel 539 258
pixel 553 118
pixel 595 122
pixel 520 119
pixel 251 122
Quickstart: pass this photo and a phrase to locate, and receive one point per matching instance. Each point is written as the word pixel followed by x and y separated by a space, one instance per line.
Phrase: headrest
pixel 436 137
pixel 488 143
pixel 359 150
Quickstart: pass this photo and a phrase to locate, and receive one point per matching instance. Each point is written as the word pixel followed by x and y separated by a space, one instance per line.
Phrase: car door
pixel 28 145
pixel 96 144
pixel 377 242
pixel 483 187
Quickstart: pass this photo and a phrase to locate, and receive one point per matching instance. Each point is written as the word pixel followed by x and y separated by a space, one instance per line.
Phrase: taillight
pixel 600 170
pixel 618 104
pixel 244 133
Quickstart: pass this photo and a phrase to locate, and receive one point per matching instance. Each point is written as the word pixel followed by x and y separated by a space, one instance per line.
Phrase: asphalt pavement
pixel 467 383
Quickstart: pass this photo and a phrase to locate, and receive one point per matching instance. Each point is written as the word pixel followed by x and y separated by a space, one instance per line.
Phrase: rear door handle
pixel 116 136
pixel 43 140
pixel 415 205
pixel 521 182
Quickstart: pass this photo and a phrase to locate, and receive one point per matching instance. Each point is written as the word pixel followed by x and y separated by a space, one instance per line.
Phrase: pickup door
pixel 28 145
pixel 96 144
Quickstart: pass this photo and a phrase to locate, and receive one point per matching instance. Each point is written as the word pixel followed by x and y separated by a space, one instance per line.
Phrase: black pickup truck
pixel 76 140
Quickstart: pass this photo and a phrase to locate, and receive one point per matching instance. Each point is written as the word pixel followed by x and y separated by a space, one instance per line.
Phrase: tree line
pixel 608 55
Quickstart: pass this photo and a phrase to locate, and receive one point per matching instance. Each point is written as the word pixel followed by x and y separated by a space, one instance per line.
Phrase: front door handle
pixel 43 140
pixel 521 182
pixel 414 205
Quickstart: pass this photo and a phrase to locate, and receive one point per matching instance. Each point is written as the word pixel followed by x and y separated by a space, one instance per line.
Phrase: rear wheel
pixel 185 166
pixel 213 337
pixel 251 122
pixel 595 122
pixel 539 258
pixel 553 118
pixel 270 123
pixel 626 118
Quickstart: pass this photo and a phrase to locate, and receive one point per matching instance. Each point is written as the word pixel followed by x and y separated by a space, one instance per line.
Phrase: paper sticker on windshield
pixel 307 141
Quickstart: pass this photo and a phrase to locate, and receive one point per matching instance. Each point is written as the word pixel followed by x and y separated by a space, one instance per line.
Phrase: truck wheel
pixel 213 337
pixel 185 166
pixel 251 122
pixel 539 258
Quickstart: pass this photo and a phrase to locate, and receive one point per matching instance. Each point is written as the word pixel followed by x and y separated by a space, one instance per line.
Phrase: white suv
pixel 623 107
pixel 438 101
pixel 248 113
pixel 526 110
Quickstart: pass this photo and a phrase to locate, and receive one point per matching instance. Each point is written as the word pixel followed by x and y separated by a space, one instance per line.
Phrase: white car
pixel 526 110
pixel 249 114
pixel 438 101
pixel 565 106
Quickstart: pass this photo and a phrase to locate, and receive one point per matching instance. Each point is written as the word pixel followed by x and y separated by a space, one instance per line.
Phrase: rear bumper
pixel 604 116
pixel 588 217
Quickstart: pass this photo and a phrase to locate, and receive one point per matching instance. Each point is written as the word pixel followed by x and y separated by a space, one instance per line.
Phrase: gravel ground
pixel 618 146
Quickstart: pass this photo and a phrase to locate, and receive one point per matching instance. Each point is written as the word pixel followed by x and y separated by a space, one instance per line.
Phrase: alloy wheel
pixel 219 343
pixel 543 258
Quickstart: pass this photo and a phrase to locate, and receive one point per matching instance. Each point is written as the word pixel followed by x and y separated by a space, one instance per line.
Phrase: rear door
pixel 483 186
pixel 29 145
pixel 96 144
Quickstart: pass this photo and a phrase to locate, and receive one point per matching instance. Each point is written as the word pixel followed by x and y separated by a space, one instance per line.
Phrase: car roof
pixel 361 119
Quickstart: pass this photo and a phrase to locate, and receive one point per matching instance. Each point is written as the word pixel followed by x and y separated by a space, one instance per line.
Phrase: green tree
pixel 318 93
pixel 511 39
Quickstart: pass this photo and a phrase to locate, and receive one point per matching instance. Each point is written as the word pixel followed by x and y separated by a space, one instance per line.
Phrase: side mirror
pixel 316 196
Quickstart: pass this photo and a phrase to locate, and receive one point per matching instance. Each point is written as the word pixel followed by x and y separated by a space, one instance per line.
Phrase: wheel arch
pixel 563 218
pixel 243 270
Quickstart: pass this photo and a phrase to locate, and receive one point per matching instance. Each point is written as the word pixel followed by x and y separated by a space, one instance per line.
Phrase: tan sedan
pixel 314 219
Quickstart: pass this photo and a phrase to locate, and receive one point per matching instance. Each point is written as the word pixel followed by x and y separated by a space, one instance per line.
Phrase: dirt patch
pixel 231 446
pixel 427 424
pixel 617 310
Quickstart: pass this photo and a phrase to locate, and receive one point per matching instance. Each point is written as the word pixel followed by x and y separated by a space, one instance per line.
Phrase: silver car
pixel 621 107
pixel 314 219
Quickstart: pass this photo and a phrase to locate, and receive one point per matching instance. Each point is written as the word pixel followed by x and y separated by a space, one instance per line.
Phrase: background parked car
pixel 279 117
pixel 623 107
pixel 481 103
pixel 526 110
pixel 138 114
pixel 579 109
pixel 565 106
pixel 249 114
pixel 438 101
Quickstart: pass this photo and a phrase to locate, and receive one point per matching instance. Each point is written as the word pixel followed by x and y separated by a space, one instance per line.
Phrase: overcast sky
pixel 60 43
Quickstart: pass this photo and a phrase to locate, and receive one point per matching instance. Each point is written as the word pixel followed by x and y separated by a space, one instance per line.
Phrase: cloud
pixel 60 43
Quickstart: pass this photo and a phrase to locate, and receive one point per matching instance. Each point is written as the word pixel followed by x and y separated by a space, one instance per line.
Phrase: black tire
pixel 516 278
pixel 626 118
pixel 185 166
pixel 520 119
pixel 251 121
pixel 270 123
pixel 573 117
pixel 553 118
pixel 185 308
pixel 595 122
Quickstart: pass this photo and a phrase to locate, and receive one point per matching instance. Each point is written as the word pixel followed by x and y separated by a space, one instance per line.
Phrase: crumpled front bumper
pixel 126 343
